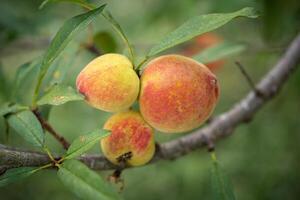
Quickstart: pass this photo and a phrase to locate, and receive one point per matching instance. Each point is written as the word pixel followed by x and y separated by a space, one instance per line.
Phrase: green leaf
pixel 84 182
pixel 60 94
pixel 82 3
pixel 22 74
pixel 9 108
pixel 107 15
pixel 27 125
pixel 16 174
pixel 84 143
pixel 219 51
pixel 222 187
pixel 57 73
pixel 65 34
pixel 197 26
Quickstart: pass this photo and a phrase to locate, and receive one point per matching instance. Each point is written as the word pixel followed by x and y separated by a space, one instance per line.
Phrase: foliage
pixel 60 41
pixel 197 26
pixel 84 182
pixel 222 188
pixel 13 175
pixel 27 125
pixel 59 94
pixel 84 143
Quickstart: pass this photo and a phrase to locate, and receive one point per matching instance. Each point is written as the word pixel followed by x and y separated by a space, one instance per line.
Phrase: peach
pixel 109 83
pixel 130 137
pixel 203 42
pixel 177 93
pixel 208 39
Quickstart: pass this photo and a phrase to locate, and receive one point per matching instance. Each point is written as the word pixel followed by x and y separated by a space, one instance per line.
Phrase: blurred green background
pixel 262 158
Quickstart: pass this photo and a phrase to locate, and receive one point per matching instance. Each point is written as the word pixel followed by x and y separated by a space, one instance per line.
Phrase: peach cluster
pixel 176 94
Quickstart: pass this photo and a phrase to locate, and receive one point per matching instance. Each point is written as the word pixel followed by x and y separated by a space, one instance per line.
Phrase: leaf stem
pixel 49 154
pixel 61 160
pixel 44 167
pixel 141 63
pixel 37 89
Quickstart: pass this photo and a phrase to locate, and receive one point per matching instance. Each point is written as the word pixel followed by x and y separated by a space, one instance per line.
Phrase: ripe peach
pixel 130 137
pixel 177 93
pixel 109 83
pixel 203 42
pixel 208 39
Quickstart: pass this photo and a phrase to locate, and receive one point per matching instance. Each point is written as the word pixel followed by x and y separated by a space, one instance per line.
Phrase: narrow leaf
pixel 84 182
pixel 107 15
pixel 82 3
pixel 58 71
pixel 27 125
pixel 198 25
pixel 60 94
pixel 16 174
pixel 84 143
pixel 219 51
pixel 65 34
pixel 222 187
pixel 23 72
pixel 9 108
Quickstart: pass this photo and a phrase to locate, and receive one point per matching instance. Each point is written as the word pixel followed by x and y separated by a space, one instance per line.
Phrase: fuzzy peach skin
pixel 177 93
pixel 109 83
pixel 130 133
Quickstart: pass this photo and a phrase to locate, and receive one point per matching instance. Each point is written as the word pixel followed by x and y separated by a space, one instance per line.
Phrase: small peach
pixel 203 42
pixel 131 139
pixel 177 93
pixel 109 83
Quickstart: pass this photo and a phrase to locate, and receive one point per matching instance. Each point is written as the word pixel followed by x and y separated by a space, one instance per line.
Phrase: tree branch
pixel 220 126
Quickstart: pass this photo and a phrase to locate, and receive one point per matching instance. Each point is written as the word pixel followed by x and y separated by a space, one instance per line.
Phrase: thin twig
pixel 248 78
pixel 51 130
pixel 93 49
pixel 6 129
pixel 138 67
